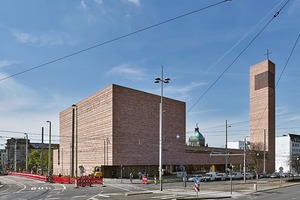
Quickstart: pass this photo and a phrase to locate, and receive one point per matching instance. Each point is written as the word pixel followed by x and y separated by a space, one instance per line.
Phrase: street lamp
pixel 226 151
pixel 26 151
pixel 162 81
pixel 49 148
pixel 298 165
pixel 76 140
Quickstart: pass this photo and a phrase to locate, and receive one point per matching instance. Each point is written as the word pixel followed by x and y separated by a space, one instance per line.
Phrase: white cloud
pixel 25 110
pixel 99 2
pixel 5 63
pixel 182 92
pixel 49 38
pixel 15 96
pixel 83 5
pixel 135 2
pixel 128 71
pixel 294 8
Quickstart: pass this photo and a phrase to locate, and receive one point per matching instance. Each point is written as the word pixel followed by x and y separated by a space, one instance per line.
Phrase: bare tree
pixel 255 157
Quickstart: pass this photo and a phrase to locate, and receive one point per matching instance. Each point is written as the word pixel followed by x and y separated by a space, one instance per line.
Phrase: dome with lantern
pixel 196 139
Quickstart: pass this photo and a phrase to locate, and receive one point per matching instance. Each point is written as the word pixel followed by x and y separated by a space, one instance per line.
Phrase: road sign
pixel 197 184
pixel 197 187
pixel 280 169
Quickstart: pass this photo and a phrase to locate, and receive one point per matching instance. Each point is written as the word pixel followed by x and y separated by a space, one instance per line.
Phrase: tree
pixel 35 161
pixel 256 156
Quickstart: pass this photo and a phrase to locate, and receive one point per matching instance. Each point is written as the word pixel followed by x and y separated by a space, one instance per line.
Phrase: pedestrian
pixel 130 176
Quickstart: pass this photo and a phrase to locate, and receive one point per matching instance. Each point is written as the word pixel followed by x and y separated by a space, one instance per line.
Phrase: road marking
pixel 40 188
pixel 98 195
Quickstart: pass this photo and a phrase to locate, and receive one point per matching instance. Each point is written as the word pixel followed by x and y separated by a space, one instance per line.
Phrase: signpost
pixel 280 174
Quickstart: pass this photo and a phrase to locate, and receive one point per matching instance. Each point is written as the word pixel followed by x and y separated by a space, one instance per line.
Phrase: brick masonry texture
pixel 120 126
pixel 262 110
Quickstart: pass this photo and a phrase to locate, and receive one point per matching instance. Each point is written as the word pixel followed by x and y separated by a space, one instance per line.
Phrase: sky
pixel 56 53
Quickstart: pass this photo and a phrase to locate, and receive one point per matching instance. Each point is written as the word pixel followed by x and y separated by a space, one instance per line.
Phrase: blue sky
pixel 194 49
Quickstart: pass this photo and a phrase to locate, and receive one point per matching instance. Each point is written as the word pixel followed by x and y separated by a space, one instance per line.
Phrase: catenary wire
pixel 113 40
pixel 241 53
pixel 280 76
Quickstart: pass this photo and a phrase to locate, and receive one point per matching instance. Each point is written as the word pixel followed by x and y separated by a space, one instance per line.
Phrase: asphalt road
pixel 23 188
pixel 286 193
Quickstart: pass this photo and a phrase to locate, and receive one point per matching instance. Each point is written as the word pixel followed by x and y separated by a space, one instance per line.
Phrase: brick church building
pixel 118 128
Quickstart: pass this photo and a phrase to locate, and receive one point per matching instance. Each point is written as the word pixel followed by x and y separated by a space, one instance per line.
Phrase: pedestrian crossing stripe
pixel 40 188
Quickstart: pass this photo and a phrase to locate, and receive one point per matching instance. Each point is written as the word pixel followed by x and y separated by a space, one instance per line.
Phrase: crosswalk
pixel 40 188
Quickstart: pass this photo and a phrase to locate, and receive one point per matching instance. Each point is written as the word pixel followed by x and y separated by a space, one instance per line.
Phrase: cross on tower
pixel 268 53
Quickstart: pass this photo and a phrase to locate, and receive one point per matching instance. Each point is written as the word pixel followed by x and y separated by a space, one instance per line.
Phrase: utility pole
pixel 26 151
pixel 15 156
pixel 73 141
pixel 42 154
pixel 245 149
pixel 264 150
pixel 49 149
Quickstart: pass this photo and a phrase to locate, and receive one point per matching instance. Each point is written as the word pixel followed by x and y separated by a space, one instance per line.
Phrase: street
pixel 14 187
pixel 287 193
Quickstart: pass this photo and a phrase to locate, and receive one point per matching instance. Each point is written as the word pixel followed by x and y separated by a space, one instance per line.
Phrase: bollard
pixel 76 184
pixel 184 181
pixel 255 187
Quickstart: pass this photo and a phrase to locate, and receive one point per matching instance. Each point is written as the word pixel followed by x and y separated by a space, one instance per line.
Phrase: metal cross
pixel 268 53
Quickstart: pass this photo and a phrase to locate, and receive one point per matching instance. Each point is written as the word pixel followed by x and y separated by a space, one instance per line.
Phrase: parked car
pixel 198 176
pixel 211 176
pixel 236 175
pixel 221 176
pixel 248 175
pixel 264 175
pixel 275 175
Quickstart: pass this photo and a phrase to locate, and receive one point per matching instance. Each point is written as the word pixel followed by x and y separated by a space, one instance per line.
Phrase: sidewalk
pixel 220 190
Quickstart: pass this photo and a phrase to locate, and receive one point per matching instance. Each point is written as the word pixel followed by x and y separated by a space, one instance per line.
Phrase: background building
pixel 196 139
pixel 16 154
pixel 262 111
pixel 238 145
pixel 288 153
pixel 3 160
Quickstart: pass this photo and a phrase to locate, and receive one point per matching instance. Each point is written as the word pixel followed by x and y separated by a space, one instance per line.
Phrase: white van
pixel 211 176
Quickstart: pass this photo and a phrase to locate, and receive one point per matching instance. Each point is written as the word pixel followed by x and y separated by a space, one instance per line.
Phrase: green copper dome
pixel 196 138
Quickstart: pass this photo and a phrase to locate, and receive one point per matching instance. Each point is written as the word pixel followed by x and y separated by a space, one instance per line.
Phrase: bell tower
pixel 262 112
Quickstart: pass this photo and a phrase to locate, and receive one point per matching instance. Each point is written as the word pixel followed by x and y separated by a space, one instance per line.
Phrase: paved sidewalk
pixel 220 190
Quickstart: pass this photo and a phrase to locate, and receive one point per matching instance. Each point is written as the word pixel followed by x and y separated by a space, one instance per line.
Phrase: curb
pixel 211 197
pixel 138 193
pixel 274 188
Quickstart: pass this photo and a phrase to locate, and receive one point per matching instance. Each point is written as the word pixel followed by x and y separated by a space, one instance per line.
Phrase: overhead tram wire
pixel 295 44
pixel 241 53
pixel 288 60
pixel 113 40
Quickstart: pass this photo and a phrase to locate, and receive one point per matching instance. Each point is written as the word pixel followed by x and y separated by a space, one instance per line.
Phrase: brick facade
pixel 262 110
pixel 120 126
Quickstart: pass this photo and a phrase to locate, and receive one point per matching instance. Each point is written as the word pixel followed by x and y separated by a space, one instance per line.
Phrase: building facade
pixel 118 127
pixel 262 111
pixel 288 153
pixel 16 154
pixel 3 160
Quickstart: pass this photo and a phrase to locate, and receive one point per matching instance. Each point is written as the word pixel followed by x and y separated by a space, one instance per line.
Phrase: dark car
pixel 275 175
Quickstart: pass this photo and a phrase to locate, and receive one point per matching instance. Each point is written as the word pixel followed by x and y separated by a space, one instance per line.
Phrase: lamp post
pixel 162 81
pixel 298 165
pixel 264 151
pixel 76 139
pixel 26 151
pixel 49 148
pixel 226 151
